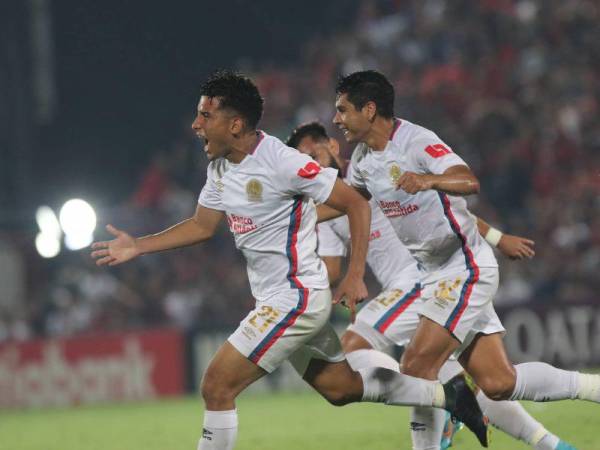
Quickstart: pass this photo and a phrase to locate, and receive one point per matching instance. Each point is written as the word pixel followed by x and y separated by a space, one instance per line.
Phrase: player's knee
pixel 498 386
pixel 214 391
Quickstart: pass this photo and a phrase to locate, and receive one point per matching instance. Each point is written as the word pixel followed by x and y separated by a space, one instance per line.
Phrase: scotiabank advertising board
pixel 106 368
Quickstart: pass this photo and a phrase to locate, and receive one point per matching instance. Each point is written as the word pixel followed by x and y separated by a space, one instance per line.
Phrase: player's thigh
pixel 488 364
pixel 427 351
pixel 229 372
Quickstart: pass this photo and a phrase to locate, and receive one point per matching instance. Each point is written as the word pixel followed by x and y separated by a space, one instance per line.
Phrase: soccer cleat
pixel 562 445
pixel 463 406
pixel 451 427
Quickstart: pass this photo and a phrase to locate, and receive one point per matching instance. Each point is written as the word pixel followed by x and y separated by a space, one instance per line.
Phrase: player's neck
pixel 379 134
pixel 242 147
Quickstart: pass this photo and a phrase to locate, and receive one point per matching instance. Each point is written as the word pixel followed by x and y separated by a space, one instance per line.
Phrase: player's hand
pixel 412 183
pixel 350 292
pixel 516 247
pixel 117 251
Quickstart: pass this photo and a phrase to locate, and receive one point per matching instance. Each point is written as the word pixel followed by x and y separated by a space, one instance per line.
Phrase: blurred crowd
pixel 513 86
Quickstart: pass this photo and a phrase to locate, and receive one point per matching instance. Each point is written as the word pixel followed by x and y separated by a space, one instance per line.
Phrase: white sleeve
pixel 330 244
pixel 300 174
pixel 432 155
pixel 210 196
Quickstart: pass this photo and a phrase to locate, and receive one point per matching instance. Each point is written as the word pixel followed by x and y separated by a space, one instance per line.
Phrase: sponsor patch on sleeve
pixel 309 171
pixel 437 150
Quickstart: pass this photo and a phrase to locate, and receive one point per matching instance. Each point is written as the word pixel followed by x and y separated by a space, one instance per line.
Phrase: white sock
pixel 515 421
pixel 393 388
pixel 548 442
pixel 541 382
pixel 361 359
pixel 219 430
pixel 426 427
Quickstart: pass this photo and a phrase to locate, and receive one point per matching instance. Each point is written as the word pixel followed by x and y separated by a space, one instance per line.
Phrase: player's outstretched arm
pixel 326 212
pixel 515 247
pixel 334 268
pixel 456 180
pixel 125 247
pixel 352 289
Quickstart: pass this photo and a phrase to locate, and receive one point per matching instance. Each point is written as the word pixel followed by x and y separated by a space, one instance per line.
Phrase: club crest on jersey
pixel 446 292
pixel 220 186
pixel 395 173
pixel 310 170
pixel 254 190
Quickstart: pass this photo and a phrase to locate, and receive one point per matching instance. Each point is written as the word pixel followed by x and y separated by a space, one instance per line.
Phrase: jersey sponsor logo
pixel 254 190
pixel 395 173
pixel 240 224
pixel 207 434
pixel 394 209
pixel 437 150
pixel 309 171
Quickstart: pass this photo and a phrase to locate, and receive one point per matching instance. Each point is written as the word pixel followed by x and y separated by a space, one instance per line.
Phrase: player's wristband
pixel 493 236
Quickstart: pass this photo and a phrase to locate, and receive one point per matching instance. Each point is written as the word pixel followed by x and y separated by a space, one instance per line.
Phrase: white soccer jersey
pixel 437 228
pixel 389 259
pixel 268 200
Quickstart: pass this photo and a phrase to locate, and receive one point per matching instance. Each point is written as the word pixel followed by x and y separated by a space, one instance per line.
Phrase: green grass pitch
pixel 282 421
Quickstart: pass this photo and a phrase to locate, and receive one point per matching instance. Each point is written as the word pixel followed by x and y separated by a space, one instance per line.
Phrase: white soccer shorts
pixel 292 325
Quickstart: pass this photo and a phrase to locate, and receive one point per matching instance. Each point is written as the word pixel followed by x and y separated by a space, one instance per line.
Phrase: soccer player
pixel 420 184
pixel 267 192
pixel 392 316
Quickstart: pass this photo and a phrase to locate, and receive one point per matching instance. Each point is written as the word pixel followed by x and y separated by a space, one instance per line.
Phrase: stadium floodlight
pixel 77 241
pixel 47 245
pixel 77 217
pixel 47 221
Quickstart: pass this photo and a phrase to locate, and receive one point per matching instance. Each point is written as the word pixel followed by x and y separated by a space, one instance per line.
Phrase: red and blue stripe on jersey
pixel 472 266
pixel 292 254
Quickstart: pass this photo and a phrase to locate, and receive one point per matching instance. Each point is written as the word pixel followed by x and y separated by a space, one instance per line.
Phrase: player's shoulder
pixel 273 150
pixel 409 132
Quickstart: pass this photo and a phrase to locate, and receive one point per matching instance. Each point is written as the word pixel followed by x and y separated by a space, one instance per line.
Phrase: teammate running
pixel 267 191
pixel 420 184
pixel 391 317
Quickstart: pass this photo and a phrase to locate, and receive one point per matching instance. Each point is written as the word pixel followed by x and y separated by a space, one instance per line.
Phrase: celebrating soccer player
pixel 420 184
pixel 267 191
pixel 391 318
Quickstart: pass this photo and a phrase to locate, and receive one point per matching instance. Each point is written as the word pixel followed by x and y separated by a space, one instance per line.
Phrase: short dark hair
pixel 368 86
pixel 314 130
pixel 237 92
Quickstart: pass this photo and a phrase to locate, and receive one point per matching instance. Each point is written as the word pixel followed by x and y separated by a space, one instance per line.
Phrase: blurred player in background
pixel 419 183
pixel 391 317
pixel 267 192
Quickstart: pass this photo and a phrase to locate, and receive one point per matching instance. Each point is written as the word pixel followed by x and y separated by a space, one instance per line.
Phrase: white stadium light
pixel 47 221
pixel 77 241
pixel 77 217
pixel 47 245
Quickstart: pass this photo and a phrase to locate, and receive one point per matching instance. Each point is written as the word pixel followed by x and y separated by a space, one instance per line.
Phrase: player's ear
pixel 236 126
pixel 334 146
pixel 370 110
